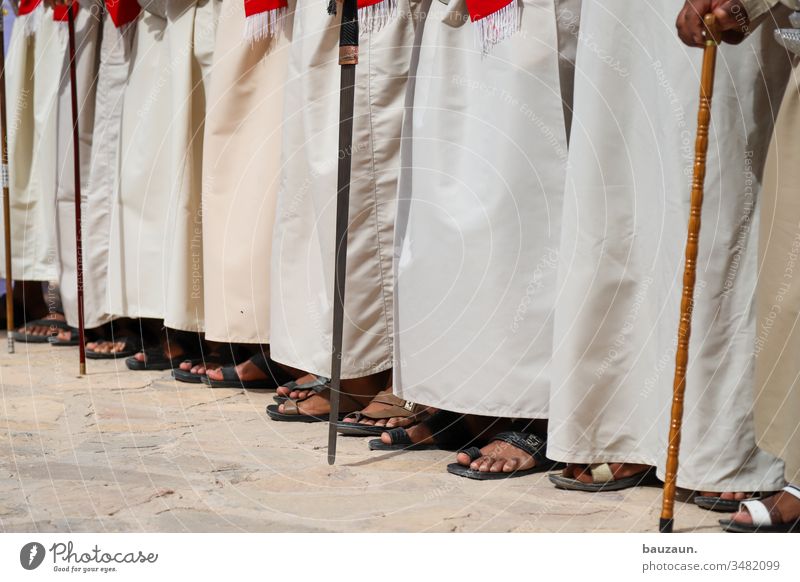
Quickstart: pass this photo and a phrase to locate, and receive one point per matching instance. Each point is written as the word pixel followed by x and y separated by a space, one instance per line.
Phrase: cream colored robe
pixel 480 212
pixel 94 198
pixel 304 235
pixel 155 269
pixel 241 176
pixel 623 237
pixel 33 69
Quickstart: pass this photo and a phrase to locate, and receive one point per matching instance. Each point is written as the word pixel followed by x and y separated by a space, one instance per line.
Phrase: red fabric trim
pixel 122 12
pixel 28 6
pixel 482 8
pixel 253 7
pixel 61 12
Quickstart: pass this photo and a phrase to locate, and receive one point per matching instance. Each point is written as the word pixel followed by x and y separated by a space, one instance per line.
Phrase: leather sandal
pixel 448 429
pixel 292 413
pixel 230 378
pixel 397 408
pixel 53 325
pixel 762 518
pixel 603 480
pixel 531 443
pixel 130 348
pixel 317 385
pixel 717 503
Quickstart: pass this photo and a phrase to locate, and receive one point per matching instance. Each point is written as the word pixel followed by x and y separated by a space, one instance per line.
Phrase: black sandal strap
pixel 529 442
pixel 399 436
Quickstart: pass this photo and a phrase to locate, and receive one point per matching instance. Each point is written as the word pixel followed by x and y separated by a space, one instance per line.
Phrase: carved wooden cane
pixel 689 272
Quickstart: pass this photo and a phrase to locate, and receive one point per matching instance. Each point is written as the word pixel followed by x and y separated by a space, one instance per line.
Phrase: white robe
pixel 480 210
pixel 623 237
pixel 112 78
pixel 87 46
pixel 155 267
pixel 241 176
pixel 138 221
pixel 304 236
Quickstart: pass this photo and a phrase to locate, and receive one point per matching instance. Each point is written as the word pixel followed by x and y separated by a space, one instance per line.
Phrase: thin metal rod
pixel 348 59
pixel 77 174
pixel 6 191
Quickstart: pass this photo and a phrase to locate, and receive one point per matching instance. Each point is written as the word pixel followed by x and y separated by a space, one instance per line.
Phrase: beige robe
pixel 778 300
pixel 304 236
pixel 33 70
pixel 241 175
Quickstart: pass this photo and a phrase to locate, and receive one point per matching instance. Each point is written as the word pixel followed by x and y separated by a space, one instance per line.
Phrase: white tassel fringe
pixel 264 25
pixel 373 18
pixel 497 27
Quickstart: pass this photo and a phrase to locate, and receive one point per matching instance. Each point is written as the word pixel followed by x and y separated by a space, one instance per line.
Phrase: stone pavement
pixel 136 451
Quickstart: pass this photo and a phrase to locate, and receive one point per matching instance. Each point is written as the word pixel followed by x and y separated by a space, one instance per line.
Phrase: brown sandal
pixel 397 408
pixel 292 413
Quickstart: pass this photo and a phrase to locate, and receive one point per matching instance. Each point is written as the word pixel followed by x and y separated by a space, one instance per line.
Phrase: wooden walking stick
pixel 689 272
pixel 5 178
pixel 77 171
pixel 348 59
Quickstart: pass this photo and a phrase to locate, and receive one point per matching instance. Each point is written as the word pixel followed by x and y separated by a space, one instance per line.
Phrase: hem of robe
pixel 481 410
pixel 325 373
pixel 748 483
pixel 779 449
pixel 182 326
pixel 237 339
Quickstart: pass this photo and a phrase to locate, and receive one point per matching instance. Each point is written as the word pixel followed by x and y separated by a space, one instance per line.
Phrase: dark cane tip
pixel 665 525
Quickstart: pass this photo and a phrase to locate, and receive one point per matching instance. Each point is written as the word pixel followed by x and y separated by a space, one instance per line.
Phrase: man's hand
pixel 53 3
pixel 731 17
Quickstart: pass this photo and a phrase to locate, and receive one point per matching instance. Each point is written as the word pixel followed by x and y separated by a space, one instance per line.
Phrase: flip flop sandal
pixel 54 326
pixel 154 359
pixel 317 385
pixel 716 503
pixel 762 520
pixel 186 375
pixel 131 348
pixel 603 480
pixel 397 408
pixel 74 335
pixel 292 413
pixel 531 443
pixel 230 378
pixel 449 431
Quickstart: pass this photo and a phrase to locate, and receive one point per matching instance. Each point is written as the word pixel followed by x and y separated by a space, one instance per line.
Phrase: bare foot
pixel 297 394
pixel 498 457
pixel 420 434
pixel 618 470
pixel 783 508
pixel 42 330
pixel 730 496
pixel 247 372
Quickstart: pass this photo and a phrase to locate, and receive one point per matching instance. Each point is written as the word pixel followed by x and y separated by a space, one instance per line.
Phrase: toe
pixel 511 465
pixel 463 459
